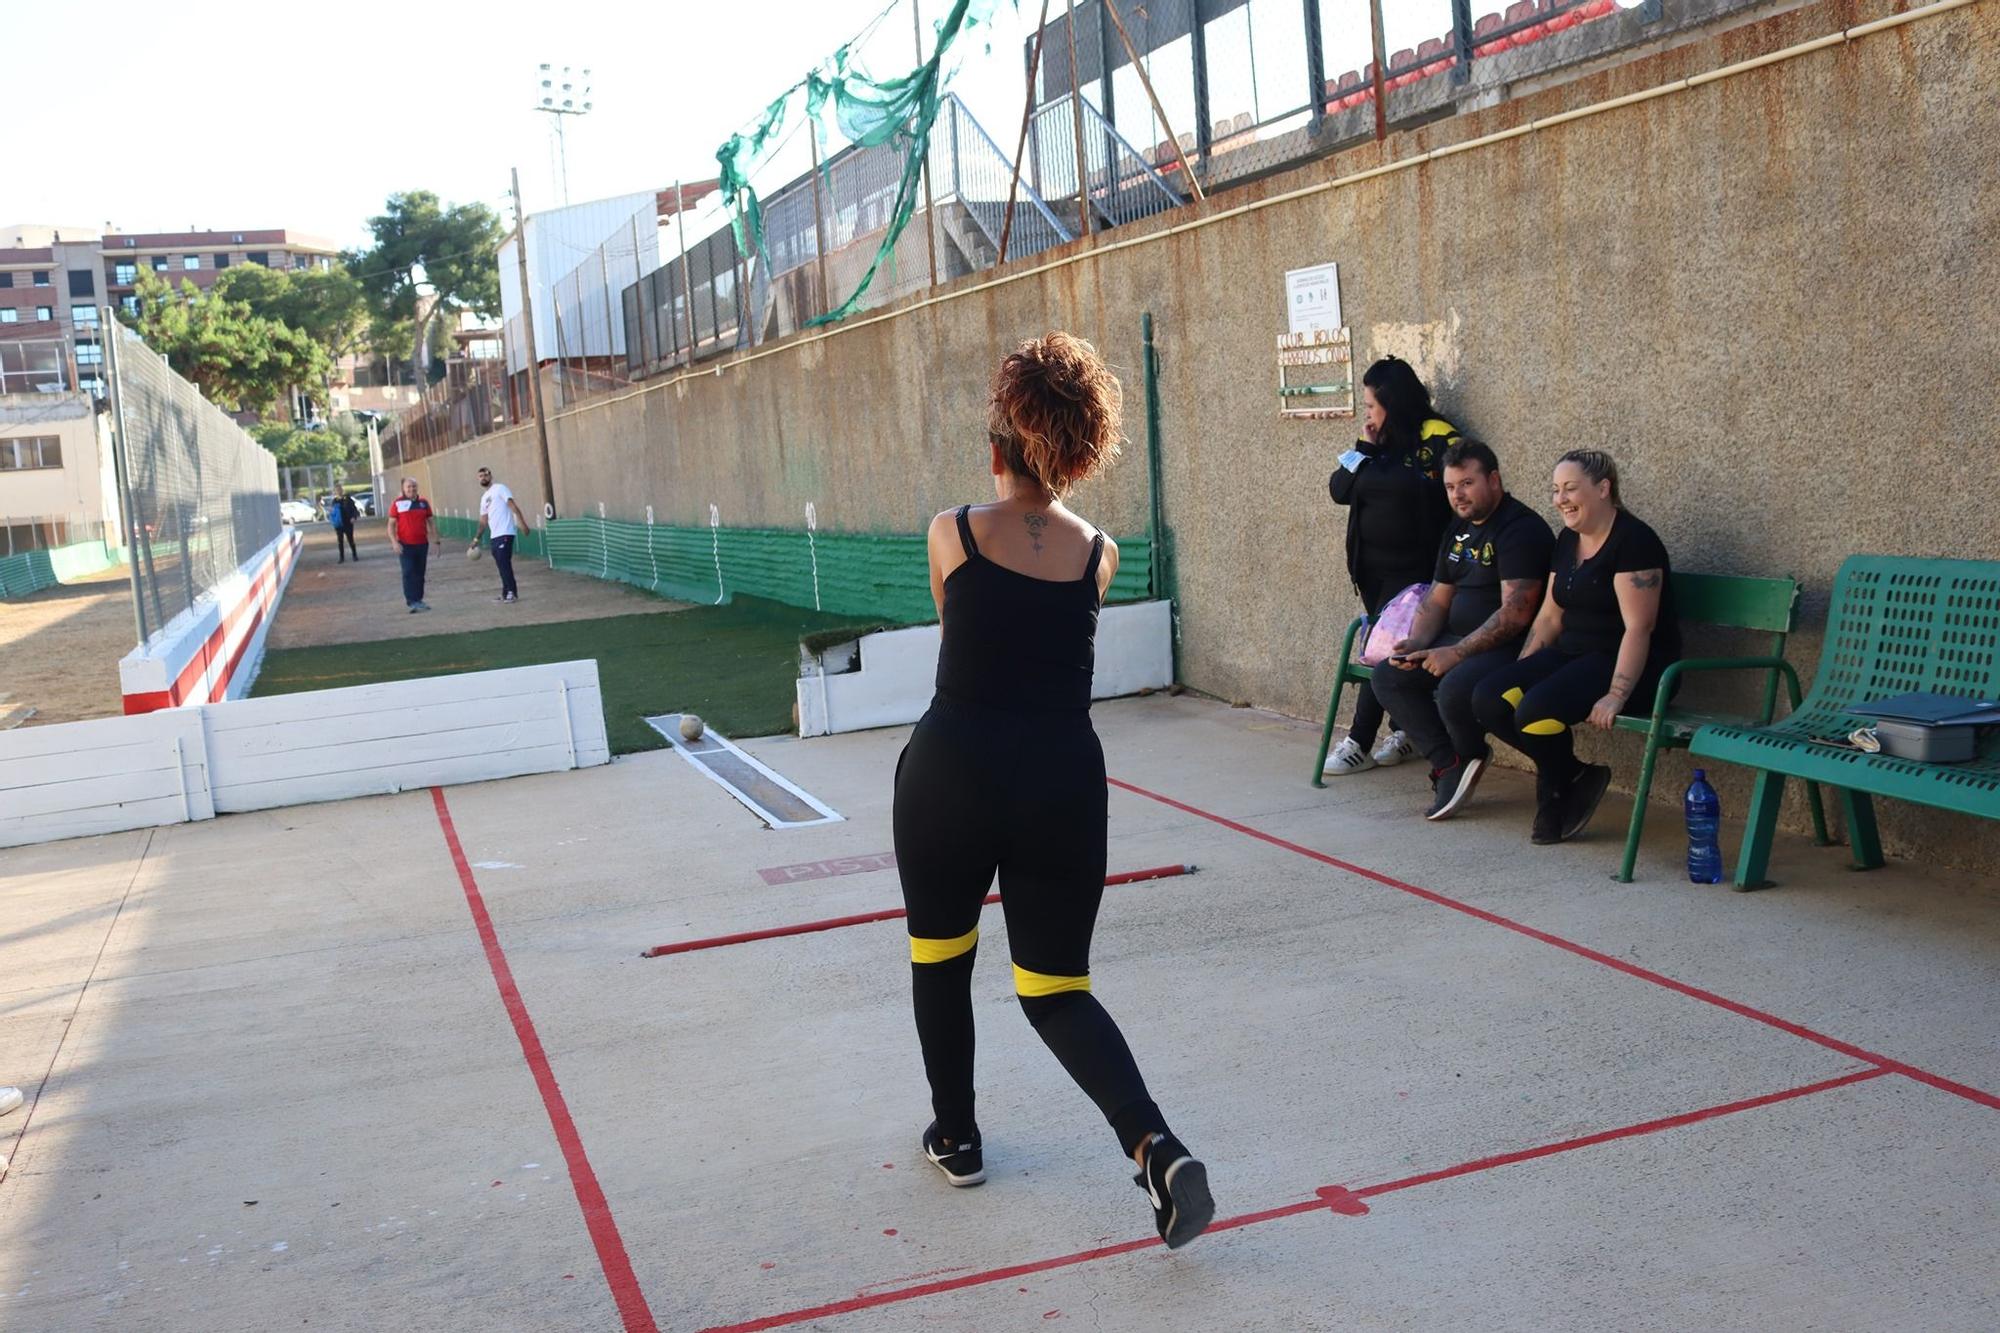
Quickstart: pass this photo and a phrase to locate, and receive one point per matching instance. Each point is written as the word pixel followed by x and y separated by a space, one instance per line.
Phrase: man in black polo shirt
pixel 1492 570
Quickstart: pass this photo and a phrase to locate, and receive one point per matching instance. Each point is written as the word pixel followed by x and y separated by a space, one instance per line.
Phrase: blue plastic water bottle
pixel 1704 820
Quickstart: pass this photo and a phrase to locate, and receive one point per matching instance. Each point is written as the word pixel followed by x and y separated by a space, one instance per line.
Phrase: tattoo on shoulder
pixel 1036 524
pixel 1646 578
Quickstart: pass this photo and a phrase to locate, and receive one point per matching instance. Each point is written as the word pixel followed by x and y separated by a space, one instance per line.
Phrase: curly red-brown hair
pixel 1056 412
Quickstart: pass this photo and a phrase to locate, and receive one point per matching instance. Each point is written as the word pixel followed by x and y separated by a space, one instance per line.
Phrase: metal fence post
pixel 129 519
pixel 1204 125
pixel 1315 64
pixel 1461 40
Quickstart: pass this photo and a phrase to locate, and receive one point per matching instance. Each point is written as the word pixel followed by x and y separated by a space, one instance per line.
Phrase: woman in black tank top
pixel 1004 774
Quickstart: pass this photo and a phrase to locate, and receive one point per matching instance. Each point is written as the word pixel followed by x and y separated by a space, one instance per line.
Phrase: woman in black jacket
pixel 1396 516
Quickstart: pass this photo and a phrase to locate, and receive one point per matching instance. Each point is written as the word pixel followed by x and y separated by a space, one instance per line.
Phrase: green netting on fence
pixel 526 544
pixel 32 571
pixel 883 577
pixel 867 112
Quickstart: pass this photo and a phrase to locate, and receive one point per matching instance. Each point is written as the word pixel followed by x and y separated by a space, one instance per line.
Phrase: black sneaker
pixel 1177 1184
pixel 1548 821
pixel 1579 802
pixel 1452 787
pixel 962 1163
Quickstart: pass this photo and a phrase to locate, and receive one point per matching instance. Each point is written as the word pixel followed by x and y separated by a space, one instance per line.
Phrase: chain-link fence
pixel 1131 105
pixel 1247 87
pixel 201 495
pixel 476 397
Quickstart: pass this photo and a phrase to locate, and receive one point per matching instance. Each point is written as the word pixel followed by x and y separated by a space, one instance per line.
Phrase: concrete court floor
pixel 283 1096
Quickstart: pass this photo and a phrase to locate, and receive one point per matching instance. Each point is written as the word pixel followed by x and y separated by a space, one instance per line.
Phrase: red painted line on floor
pixel 1583 951
pixel 1337 1199
pixel 1628 1132
pixel 597 1219
pixel 866 918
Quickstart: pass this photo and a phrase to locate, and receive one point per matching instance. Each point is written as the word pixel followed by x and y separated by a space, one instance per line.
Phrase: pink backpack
pixel 1391 625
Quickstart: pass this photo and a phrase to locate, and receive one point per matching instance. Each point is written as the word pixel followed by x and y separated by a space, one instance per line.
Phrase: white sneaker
pixel 1393 749
pixel 10 1100
pixel 1347 758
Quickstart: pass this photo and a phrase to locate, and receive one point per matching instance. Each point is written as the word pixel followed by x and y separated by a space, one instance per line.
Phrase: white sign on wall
pixel 1312 298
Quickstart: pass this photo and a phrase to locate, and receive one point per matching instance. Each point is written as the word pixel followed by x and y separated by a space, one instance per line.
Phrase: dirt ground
pixel 59 650
pixel 361 602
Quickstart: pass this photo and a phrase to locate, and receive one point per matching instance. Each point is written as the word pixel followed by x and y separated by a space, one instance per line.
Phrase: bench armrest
pixel 1356 626
pixel 1675 670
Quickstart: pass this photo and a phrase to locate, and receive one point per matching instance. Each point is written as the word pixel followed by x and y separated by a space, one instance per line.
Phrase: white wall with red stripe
pixel 211 651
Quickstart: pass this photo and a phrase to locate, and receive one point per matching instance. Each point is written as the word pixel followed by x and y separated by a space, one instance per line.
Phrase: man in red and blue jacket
pixel 413 531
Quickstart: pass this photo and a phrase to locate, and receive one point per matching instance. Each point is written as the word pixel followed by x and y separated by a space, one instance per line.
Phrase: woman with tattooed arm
pixel 1605 632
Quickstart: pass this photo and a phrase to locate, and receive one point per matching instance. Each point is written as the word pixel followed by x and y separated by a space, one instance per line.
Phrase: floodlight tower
pixel 560 91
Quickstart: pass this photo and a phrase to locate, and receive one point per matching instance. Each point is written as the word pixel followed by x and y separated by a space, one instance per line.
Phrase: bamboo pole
pixel 930 203
pixel 1021 144
pixel 1076 119
pixel 1381 74
pixel 1146 82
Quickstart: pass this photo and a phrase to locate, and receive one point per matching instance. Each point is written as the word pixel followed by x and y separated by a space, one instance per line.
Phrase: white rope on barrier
pixel 812 545
pixel 715 540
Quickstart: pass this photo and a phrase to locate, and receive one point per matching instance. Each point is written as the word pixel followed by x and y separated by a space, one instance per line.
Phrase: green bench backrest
pixel 1741 603
pixel 1899 625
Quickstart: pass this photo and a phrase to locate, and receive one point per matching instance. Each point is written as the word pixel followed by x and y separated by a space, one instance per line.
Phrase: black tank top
pixel 1014 641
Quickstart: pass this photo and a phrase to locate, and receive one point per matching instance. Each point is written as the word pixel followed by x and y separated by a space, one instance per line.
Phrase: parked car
pixel 364 503
pixel 296 511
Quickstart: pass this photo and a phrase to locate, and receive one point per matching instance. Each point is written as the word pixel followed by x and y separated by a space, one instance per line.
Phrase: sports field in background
pixel 734 665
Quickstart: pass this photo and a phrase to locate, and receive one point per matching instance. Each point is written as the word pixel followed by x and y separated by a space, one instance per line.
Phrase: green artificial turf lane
pixel 734 665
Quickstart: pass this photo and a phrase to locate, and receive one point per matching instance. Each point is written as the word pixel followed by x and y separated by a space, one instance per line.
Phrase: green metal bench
pixel 1705 599
pixel 1896 625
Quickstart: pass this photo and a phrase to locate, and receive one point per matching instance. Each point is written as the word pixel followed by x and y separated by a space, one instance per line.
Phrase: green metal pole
pixel 1158 572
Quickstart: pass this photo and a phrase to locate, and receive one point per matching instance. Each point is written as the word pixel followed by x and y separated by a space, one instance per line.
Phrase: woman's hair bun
pixel 1056 411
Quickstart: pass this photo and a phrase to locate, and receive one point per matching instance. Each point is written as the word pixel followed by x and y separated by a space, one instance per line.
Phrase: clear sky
pixel 234 114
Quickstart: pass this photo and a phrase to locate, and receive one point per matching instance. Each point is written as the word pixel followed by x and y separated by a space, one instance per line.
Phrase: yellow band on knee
pixel 942 951
pixel 1548 726
pixel 1513 697
pixel 1040 983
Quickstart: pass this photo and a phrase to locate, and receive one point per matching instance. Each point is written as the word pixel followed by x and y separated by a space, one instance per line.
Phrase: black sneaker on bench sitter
pixel 1178 1186
pixel 962 1163
pixel 1580 801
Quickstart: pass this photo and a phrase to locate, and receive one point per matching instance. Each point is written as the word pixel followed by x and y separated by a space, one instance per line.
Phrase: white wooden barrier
pixel 79 778
pixel 180 764
pixel 898 670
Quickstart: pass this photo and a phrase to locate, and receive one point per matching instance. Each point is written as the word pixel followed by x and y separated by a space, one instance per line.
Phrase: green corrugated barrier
pixel 883 576
pixel 32 571
pixel 461 529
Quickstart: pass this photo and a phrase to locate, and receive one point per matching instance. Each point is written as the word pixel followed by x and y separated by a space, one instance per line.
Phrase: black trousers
pixel 1532 704
pixel 503 560
pixel 1376 591
pixel 416 561
pixel 343 542
pixel 981 792
pixel 1436 712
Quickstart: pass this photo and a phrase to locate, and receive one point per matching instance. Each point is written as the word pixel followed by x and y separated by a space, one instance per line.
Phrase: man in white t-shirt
pixel 499 514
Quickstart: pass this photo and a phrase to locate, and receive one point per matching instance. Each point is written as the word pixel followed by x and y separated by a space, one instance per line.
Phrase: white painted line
pixel 713 742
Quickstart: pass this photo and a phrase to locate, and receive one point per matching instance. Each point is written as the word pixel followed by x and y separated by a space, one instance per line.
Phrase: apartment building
pixel 57 282
pixel 57 480
pixel 201 257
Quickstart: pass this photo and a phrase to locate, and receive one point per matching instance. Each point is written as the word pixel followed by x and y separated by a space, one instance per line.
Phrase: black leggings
pixel 1532 703
pixel 1023 794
